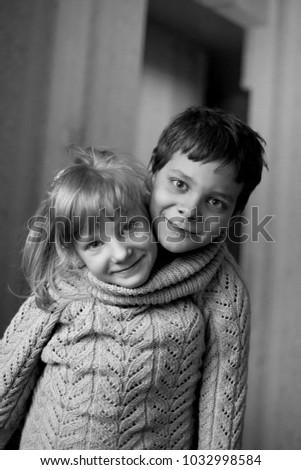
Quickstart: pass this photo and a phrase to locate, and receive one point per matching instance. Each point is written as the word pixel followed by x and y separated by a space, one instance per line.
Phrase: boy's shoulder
pixel 228 286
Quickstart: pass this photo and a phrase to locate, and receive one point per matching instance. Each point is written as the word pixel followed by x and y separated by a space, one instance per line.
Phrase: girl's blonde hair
pixel 98 180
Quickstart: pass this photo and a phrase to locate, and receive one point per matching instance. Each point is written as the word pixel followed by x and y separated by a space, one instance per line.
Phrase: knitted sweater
pixel 122 367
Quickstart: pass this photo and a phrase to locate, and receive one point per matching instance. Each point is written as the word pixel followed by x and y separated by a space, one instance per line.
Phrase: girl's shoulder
pixel 30 321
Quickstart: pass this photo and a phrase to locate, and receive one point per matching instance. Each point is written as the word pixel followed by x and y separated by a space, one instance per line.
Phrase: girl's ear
pixel 76 260
pixel 80 264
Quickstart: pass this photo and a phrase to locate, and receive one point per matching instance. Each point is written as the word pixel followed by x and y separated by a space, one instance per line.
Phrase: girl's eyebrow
pixel 86 238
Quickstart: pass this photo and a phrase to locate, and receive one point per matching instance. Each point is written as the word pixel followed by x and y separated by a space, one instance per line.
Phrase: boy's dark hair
pixel 206 135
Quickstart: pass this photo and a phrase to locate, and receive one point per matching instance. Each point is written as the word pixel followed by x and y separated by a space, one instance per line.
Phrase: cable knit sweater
pixel 162 366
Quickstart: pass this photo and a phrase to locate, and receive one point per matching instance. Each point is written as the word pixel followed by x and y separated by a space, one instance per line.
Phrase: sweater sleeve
pixel 222 398
pixel 20 351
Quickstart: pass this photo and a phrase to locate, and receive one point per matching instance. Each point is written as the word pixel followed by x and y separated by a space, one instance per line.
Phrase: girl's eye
pixel 216 203
pixel 94 245
pixel 179 184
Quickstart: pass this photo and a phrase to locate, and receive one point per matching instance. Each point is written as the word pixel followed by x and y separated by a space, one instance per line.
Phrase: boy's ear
pixel 234 218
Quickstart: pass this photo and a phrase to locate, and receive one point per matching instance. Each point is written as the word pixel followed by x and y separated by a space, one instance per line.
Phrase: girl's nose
pixel 120 251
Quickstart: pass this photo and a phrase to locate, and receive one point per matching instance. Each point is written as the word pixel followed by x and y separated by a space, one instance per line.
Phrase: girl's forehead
pixel 116 215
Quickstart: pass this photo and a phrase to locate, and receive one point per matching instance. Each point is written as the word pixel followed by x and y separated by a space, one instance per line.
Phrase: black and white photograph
pixel 150 278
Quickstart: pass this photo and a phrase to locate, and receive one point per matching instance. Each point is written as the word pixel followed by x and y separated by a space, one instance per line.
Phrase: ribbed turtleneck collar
pixel 173 277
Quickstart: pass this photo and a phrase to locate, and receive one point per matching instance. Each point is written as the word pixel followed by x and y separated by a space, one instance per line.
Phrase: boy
pixel 204 168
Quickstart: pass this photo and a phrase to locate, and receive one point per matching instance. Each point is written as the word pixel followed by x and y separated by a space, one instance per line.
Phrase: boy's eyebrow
pixel 224 196
pixel 181 174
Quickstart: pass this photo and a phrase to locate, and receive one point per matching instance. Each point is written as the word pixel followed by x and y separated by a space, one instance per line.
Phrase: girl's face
pixel 121 252
pixel 192 202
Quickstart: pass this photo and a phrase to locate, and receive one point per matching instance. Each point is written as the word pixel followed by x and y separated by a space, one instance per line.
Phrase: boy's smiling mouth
pixel 181 227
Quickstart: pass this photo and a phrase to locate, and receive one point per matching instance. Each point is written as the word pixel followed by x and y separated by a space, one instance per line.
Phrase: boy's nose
pixel 188 212
pixel 120 251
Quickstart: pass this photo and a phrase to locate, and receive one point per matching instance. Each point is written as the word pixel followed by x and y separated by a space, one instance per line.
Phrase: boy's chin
pixel 182 246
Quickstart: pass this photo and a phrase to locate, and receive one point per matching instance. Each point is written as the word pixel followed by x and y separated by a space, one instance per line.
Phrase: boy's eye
pixel 128 227
pixel 179 184
pixel 131 226
pixel 217 203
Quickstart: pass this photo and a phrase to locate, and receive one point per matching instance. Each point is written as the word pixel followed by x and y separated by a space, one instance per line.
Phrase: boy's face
pixel 191 202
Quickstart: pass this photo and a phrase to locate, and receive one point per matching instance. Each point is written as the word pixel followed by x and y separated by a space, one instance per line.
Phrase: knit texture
pixel 123 366
pixel 223 391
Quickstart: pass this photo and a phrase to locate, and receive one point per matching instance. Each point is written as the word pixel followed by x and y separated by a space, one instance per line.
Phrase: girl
pixel 103 354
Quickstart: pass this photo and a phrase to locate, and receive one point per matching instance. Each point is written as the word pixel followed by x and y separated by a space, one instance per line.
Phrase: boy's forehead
pixel 183 165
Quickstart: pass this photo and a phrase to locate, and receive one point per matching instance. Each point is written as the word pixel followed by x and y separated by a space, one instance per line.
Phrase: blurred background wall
pixel 113 72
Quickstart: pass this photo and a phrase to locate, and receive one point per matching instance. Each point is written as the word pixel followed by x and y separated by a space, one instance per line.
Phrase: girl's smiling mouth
pixel 127 268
